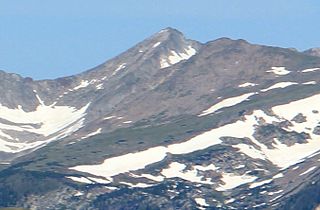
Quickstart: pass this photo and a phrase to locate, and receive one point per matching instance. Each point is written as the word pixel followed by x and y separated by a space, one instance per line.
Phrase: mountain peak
pixel 313 51
pixel 168 34
pixel 170 30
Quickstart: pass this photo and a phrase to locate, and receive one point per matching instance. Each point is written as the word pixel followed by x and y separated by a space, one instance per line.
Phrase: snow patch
pixel 92 134
pixel 201 202
pixel 50 121
pixel 310 83
pixel 310 70
pixel 99 86
pixel 120 67
pixel 156 44
pixel 178 170
pixel 138 185
pixel 80 179
pixel 308 171
pixel 243 128
pixel 279 85
pixel 232 181
pixel 117 165
pixel 109 117
pixel 276 192
pixel 247 84
pixel 152 177
pixel 279 70
pixel 83 84
pixel 258 184
pixel 79 193
pixel 226 103
pixel 277 176
pixel 176 57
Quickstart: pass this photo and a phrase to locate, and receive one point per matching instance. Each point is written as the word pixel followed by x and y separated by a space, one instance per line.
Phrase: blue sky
pixel 55 38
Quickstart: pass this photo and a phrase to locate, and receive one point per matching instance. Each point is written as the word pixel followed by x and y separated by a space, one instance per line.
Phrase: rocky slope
pixel 169 124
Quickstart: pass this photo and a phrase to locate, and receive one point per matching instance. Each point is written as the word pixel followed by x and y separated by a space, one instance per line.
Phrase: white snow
pixel 109 117
pixel 243 128
pixel 308 171
pixel 92 134
pixel 310 70
pixel 276 192
pixel 52 121
pixel 227 103
pixel 310 83
pixel 100 181
pixel 201 202
pixel 79 193
pixel 279 85
pixel 83 84
pixel 279 196
pixel 295 168
pixel 117 165
pixel 259 205
pixel 156 44
pixel 178 170
pixel 258 184
pixel 139 185
pixel 152 177
pixel 99 86
pixel 120 67
pixel 250 151
pixel 277 176
pixel 210 167
pixel 231 200
pixel 232 181
pixel 247 84
pixel 80 179
pixel 280 70
pixel 176 57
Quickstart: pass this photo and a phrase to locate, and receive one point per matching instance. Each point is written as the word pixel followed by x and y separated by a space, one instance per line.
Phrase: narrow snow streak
pixel 98 131
pixel 308 171
pixel 279 85
pixel 258 184
pixel 247 84
pixel 310 70
pixel 120 67
pixel 310 83
pixel 156 44
pixel 227 103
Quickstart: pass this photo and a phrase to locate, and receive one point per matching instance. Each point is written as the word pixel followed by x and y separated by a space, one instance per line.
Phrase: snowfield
pixel 244 128
pixel 47 120
pixel 176 57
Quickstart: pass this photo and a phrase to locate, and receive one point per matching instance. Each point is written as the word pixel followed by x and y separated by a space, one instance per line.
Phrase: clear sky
pixel 53 38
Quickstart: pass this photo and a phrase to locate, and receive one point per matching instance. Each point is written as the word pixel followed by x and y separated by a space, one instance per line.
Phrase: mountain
pixel 171 123
pixel 313 52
